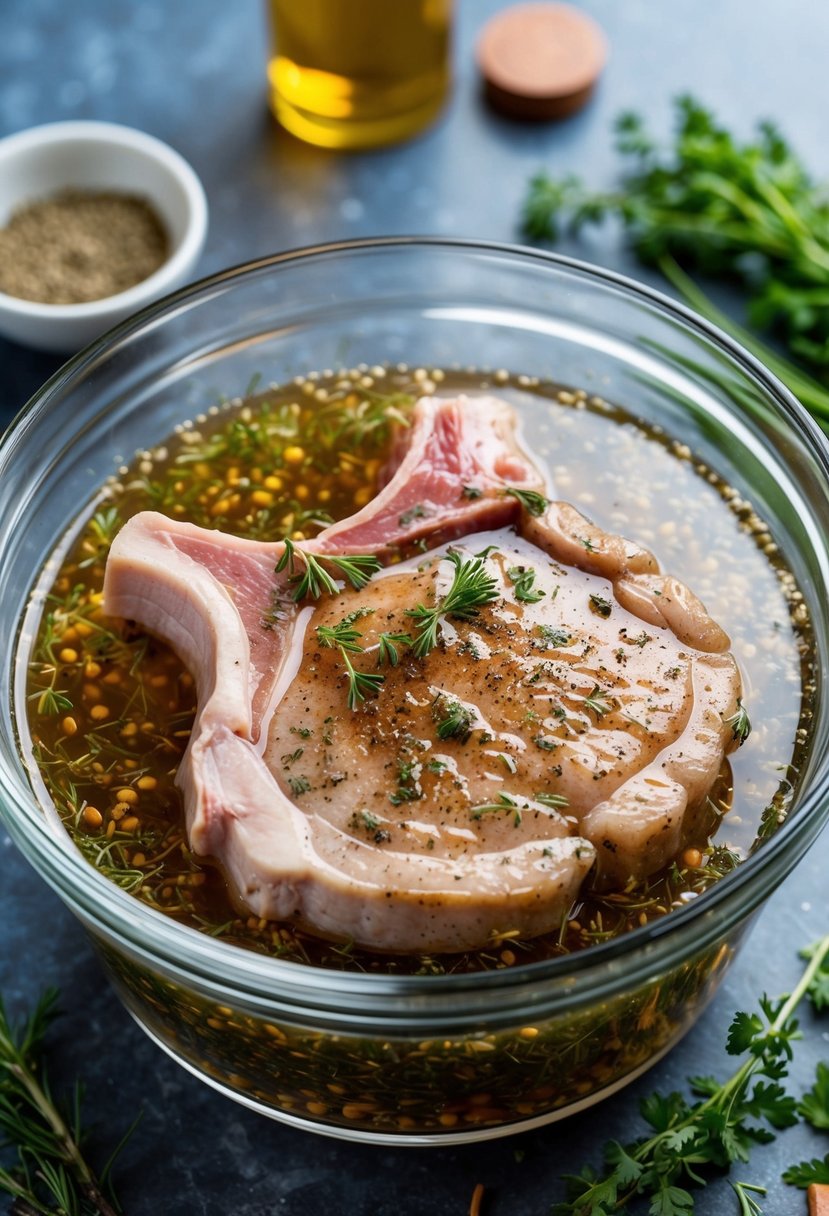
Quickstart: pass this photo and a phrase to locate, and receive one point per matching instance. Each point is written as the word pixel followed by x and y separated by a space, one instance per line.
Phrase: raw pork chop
pixel 578 718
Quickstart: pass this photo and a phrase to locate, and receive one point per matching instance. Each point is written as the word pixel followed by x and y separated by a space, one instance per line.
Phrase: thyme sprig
pixel 471 588
pixel 51 1176
pixel 714 1132
pixel 356 569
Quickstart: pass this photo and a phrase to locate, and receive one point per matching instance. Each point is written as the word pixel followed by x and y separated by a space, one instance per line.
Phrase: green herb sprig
pixel 343 634
pixel 361 684
pixel 597 702
pixel 356 569
pixel 731 210
pixel 530 500
pixel 471 588
pixel 504 802
pixel 523 580
pixel 51 1176
pixel 388 647
pixel 739 722
pixel 715 1132
pixel 454 720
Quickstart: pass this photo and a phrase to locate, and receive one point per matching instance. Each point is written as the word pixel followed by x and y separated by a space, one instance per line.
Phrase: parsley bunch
pixel 728 1118
pixel 744 211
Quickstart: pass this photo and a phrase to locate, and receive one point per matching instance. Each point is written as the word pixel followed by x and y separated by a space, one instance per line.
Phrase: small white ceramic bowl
pixel 93 156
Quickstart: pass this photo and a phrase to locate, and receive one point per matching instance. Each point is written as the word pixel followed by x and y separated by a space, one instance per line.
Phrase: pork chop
pixel 424 797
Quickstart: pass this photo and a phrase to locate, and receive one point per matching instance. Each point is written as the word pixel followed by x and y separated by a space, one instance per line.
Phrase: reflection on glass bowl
pixel 425 1058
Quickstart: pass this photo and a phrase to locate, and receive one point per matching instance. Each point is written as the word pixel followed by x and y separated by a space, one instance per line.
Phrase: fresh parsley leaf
pixel 690 1140
pixel 814 1105
pixel 671 1201
pixel 627 1170
pixel 743 1032
pixel 807 1172
pixel 748 211
pixel 663 1112
pixel 600 605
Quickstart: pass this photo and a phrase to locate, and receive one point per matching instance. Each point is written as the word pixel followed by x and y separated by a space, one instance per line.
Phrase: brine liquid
pixel 358 73
pixel 110 709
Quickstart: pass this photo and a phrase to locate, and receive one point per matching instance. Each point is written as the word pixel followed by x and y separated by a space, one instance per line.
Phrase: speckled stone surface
pixel 193 74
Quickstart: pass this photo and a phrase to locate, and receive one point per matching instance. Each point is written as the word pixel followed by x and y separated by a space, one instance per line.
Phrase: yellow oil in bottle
pixel 358 73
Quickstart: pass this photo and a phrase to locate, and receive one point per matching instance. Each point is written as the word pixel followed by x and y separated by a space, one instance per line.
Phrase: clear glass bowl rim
pixel 152 935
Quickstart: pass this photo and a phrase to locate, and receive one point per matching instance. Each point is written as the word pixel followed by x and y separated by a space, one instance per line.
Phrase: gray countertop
pixel 193 74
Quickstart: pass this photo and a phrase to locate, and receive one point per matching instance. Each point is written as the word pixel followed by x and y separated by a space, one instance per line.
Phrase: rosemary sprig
pixel 389 642
pixel 51 1176
pixel 553 800
pixel 471 588
pixel 342 635
pixel 504 802
pixel 357 569
pixel 361 684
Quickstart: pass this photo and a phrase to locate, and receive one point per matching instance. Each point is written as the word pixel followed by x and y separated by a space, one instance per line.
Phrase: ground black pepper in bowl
pixel 79 246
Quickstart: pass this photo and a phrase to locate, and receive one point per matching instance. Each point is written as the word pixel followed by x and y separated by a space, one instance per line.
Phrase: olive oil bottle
pixel 358 73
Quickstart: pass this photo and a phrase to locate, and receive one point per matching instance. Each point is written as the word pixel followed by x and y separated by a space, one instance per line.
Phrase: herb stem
pixel 21 1089
pixel 735 1085
pixel 650 1164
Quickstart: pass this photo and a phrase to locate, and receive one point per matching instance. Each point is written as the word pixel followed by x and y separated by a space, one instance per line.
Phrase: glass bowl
pixel 409 1059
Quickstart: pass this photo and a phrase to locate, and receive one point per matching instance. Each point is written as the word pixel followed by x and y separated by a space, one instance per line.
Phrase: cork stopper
pixel 540 61
pixel 818 1194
